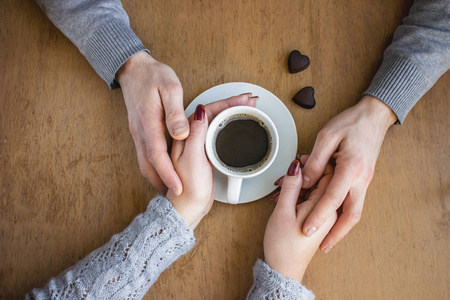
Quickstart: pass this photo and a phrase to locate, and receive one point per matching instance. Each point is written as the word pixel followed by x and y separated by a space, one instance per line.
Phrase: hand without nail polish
pixel 310 231
pixel 327 249
pixel 179 129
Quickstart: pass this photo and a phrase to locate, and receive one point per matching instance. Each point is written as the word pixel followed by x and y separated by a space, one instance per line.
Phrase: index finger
pixel 324 147
pixel 213 109
pixel 157 155
pixel 331 200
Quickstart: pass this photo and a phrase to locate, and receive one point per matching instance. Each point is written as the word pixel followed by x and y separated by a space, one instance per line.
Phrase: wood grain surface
pixel 69 177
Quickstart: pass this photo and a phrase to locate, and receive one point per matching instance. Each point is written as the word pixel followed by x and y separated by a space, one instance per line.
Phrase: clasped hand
pixel 154 98
pixel 287 250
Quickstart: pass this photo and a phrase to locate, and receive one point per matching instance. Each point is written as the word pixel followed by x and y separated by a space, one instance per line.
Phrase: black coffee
pixel 242 143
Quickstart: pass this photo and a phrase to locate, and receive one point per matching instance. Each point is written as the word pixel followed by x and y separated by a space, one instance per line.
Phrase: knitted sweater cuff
pixel 163 209
pixel 269 284
pixel 130 262
pixel 110 47
pixel 400 84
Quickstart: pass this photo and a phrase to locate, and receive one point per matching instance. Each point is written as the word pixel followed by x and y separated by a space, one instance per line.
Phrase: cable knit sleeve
pixel 268 284
pixel 100 29
pixel 418 56
pixel 130 262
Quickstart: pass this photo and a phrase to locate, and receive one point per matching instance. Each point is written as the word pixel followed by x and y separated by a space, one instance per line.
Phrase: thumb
pixel 176 121
pixel 195 143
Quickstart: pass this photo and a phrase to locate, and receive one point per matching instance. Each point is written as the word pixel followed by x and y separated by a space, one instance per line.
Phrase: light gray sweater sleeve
pixel 268 284
pixel 130 262
pixel 100 29
pixel 418 56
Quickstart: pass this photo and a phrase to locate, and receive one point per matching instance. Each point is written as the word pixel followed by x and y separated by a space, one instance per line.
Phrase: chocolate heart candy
pixel 305 98
pixel 297 62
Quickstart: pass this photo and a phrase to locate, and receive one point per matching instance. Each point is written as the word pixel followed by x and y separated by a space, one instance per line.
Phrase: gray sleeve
pixel 129 263
pixel 418 56
pixel 268 284
pixel 100 29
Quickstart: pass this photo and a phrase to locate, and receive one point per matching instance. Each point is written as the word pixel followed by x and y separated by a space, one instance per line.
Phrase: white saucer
pixel 261 185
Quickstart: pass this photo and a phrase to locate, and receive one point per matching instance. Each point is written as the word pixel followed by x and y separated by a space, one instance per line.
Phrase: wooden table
pixel 68 171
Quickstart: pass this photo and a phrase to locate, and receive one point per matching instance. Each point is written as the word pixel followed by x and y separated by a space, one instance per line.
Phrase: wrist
pixel 291 271
pixel 191 213
pixel 378 111
pixel 131 68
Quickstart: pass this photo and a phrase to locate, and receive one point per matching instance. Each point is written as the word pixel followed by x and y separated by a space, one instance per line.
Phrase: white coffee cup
pixel 236 175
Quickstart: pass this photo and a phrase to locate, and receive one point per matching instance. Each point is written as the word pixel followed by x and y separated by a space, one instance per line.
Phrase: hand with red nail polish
pixel 286 249
pixel 192 165
pixel 196 173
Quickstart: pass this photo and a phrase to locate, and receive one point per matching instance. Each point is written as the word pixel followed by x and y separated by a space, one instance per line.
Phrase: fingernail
pixel 303 159
pixel 302 162
pixel 255 97
pixel 327 249
pixel 306 181
pixel 173 189
pixel 310 231
pixel 278 181
pixel 179 129
pixel 293 168
pixel 276 195
pixel 199 113
pixel 248 94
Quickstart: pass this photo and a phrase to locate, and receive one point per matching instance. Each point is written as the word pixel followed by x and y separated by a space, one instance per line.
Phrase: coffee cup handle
pixel 234 189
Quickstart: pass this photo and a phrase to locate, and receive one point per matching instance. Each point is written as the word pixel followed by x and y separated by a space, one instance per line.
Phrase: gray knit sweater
pixel 132 260
pixel 418 56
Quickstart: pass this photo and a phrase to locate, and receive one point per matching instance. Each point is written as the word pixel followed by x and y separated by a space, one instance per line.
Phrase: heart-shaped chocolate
pixel 297 62
pixel 305 98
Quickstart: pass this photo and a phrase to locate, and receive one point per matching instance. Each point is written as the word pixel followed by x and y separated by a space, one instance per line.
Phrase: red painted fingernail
pixel 255 97
pixel 278 180
pixel 199 113
pixel 275 196
pixel 294 168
